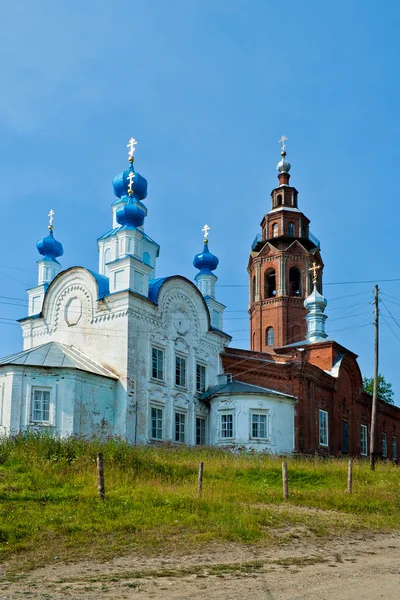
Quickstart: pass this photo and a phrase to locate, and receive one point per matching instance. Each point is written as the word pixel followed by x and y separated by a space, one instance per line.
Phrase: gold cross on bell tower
pixel 314 271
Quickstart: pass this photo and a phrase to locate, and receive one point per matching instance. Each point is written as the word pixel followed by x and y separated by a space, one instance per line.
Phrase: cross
pixel 282 141
pixel 51 215
pixel 131 145
pixel 314 270
pixel 206 229
pixel 130 178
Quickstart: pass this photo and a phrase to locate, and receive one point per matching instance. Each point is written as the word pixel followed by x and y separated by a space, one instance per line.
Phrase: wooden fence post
pixel 100 476
pixel 350 476
pixel 200 480
pixel 285 481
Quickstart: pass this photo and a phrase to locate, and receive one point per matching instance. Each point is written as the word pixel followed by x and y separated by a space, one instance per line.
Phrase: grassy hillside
pixel 49 509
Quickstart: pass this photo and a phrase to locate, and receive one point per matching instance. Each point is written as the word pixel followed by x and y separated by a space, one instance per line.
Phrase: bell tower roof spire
pixel 283 165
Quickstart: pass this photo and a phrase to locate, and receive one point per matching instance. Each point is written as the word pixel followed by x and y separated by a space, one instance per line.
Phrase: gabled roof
pixel 238 387
pixel 56 355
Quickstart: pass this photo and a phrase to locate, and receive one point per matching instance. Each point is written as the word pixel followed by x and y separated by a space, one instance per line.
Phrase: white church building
pixel 121 352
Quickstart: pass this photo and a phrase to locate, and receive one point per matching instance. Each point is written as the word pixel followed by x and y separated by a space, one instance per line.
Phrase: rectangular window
pixel 364 441
pixel 259 426
pixel 394 447
pixel 226 426
pixel 139 281
pixel 384 445
pixel 200 378
pixel 119 279
pixel 345 436
pixel 40 406
pixel 180 419
pixel 180 371
pixel 157 423
pixel 157 364
pixel 323 428
pixel 200 431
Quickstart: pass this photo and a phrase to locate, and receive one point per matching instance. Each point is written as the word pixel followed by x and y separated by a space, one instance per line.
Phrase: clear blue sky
pixel 207 88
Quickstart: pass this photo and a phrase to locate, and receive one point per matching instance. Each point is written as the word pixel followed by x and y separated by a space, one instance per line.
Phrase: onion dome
pixel 315 300
pixel 205 261
pixel 49 248
pixel 131 214
pixel 283 165
pixel 121 184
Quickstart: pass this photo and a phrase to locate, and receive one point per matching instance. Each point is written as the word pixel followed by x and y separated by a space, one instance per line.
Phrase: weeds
pixel 49 508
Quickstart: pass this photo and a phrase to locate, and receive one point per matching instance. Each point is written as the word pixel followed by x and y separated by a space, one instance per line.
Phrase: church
pixel 123 352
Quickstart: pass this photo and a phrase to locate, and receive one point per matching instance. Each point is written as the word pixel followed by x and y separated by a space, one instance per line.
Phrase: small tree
pixel 385 391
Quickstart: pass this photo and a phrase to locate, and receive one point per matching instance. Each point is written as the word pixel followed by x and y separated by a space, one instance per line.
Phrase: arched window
pixel 279 199
pixel 253 289
pixel 275 230
pixel 254 341
pixel 294 281
pixel 296 333
pixel 270 283
pixel 107 259
pixel 291 229
pixel 269 336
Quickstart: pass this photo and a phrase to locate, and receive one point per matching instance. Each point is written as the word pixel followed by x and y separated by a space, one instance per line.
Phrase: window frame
pixel 266 425
pixel 222 417
pixel 394 447
pixel 179 357
pixel 158 409
pixel 41 421
pixel 323 424
pixel 344 421
pixel 364 440
pixel 157 349
pixel 199 388
pixel 180 427
pixel 269 332
pixel 199 432
pixel 384 444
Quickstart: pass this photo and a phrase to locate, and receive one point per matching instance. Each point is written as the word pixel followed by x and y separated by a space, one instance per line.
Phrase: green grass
pixel 49 509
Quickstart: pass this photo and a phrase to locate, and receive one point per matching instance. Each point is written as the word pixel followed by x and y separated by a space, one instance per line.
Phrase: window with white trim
pixel 364 440
pixel 384 445
pixel 227 425
pixel 259 426
pixel 394 447
pixel 180 421
pixel 323 428
pixel 180 371
pixel 200 431
pixel 157 423
pixel 40 405
pixel 157 364
pixel 200 378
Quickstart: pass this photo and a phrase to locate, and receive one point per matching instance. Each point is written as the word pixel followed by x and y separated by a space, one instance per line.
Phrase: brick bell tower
pixel 279 269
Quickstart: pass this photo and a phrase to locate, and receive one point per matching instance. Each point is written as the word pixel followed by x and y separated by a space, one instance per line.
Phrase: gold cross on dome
pixel 205 230
pixel 282 141
pixel 130 178
pixel 314 270
pixel 51 218
pixel 131 145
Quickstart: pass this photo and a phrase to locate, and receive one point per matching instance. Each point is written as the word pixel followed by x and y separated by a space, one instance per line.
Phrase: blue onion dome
pixel 49 248
pixel 121 185
pixel 283 165
pixel 131 214
pixel 205 261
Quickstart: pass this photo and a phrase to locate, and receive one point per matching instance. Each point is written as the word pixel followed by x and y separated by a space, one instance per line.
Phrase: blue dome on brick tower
pixel 49 248
pixel 205 261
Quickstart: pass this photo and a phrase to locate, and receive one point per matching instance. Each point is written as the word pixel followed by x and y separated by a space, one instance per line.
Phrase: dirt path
pixel 344 569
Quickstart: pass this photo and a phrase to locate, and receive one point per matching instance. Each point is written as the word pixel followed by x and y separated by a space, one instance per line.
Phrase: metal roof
pixel 238 387
pixel 56 355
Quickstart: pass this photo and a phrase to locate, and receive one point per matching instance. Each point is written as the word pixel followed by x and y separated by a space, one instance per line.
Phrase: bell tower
pixel 279 266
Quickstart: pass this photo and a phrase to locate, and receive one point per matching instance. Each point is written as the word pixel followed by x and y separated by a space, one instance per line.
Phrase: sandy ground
pixel 356 568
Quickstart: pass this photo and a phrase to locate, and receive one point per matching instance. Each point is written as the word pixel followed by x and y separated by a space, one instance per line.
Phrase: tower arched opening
pixel 269 283
pixel 295 281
